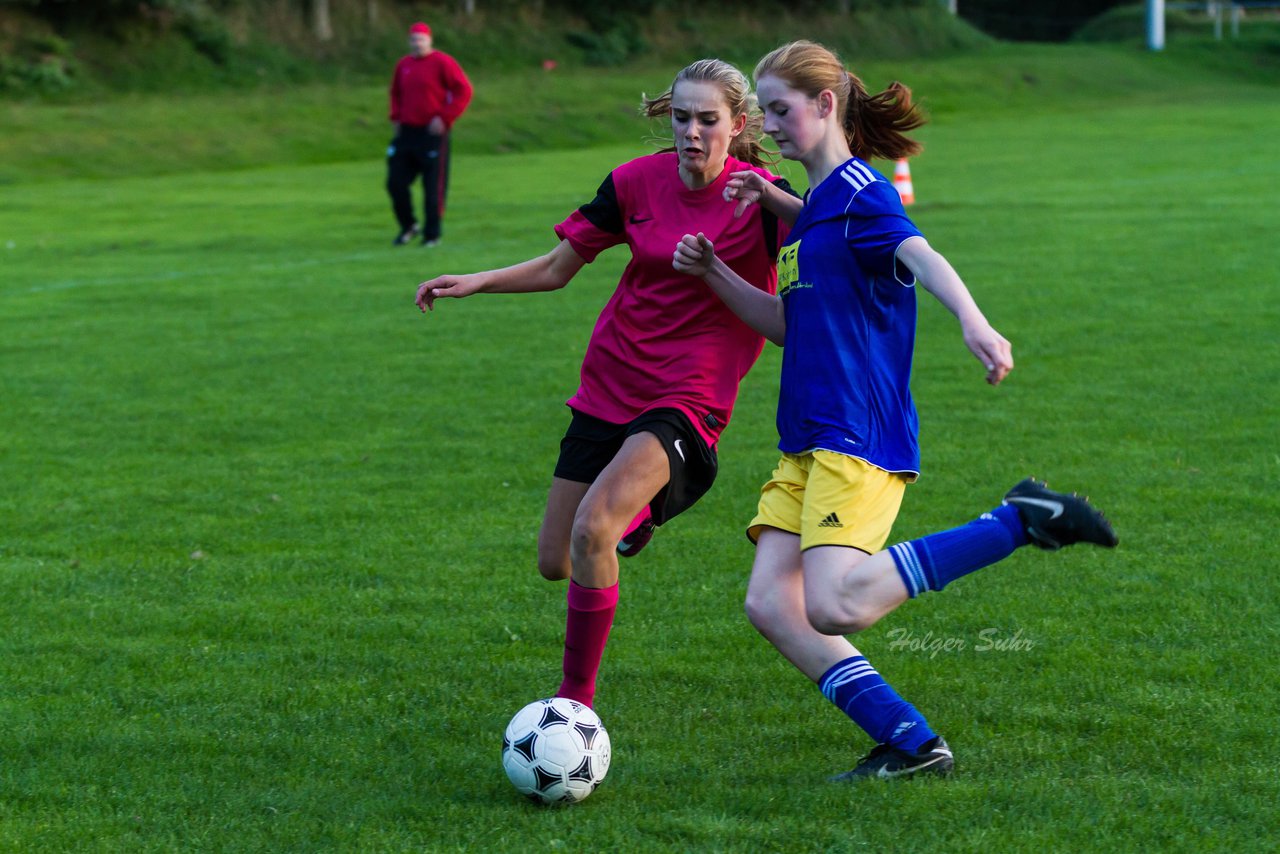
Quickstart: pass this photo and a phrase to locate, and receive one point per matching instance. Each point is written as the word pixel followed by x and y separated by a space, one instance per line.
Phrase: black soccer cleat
pixel 886 762
pixel 636 539
pixel 1055 519
pixel 406 236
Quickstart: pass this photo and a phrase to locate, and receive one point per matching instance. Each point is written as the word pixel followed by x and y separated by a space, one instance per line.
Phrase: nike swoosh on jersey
pixel 1055 506
pixel 679 449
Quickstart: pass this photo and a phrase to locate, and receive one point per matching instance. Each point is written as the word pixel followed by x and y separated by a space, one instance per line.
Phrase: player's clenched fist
pixel 694 255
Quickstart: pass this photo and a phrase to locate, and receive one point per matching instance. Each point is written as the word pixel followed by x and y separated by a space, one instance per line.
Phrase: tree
pixel 321 25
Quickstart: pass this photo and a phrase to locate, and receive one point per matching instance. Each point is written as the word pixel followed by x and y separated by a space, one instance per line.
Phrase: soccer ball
pixel 555 751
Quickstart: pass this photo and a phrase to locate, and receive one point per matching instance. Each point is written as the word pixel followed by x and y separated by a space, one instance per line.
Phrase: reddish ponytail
pixel 874 125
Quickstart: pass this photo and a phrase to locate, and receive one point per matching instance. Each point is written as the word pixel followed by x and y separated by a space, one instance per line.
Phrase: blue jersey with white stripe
pixel 851 322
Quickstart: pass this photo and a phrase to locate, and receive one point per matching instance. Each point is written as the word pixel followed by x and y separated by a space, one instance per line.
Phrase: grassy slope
pixel 570 108
pixel 278 97
pixel 267 574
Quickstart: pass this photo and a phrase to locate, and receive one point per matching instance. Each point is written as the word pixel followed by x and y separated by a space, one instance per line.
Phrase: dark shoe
pixel 406 237
pixel 1055 519
pixel 638 535
pixel 887 762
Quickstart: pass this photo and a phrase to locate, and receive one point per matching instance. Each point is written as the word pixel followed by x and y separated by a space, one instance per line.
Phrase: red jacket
pixel 429 86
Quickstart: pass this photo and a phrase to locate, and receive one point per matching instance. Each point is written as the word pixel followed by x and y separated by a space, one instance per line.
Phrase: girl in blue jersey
pixel 845 314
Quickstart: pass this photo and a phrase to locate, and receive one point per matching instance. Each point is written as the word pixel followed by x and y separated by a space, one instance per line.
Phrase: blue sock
pixel 860 692
pixel 933 562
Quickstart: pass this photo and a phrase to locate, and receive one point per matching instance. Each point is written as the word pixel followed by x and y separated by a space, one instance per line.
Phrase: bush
pixel 612 47
pixel 613 32
pixel 207 33
pixel 40 64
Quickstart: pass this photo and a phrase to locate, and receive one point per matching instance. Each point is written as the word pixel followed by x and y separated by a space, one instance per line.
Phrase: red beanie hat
pixel 420 28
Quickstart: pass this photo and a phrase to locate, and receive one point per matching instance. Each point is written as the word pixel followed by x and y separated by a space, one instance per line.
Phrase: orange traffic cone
pixel 902 182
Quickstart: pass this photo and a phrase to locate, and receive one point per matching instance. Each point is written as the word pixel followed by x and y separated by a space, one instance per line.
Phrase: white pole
pixel 1155 24
pixel 953 6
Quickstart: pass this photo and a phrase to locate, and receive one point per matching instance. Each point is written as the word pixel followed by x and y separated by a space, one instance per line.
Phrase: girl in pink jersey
pixel 662 369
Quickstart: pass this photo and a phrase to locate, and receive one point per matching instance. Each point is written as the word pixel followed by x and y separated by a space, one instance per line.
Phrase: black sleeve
pixel 603 211
pixel 785 186
pixel 770 222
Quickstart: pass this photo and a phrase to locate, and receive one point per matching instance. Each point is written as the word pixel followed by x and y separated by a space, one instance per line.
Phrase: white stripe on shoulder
pixel 855 180
pixel 866 173
pixel 862 177
pixel 859 177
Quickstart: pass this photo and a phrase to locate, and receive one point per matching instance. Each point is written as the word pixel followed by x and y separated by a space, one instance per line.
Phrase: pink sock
pixel 586 632
pixel 644 514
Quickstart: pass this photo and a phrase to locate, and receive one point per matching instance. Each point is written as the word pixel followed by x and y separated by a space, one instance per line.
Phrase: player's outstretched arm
pixel 759 310
pixel 545 273
pixel 939 278
pixel 750 188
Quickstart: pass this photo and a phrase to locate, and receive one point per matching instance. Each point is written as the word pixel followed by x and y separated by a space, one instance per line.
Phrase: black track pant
pixel 412 153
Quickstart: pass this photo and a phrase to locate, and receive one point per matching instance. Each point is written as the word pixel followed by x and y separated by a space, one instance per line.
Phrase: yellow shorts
pixel 830 500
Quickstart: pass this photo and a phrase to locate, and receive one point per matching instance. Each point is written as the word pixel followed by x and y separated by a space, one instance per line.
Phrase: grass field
pixel 267 544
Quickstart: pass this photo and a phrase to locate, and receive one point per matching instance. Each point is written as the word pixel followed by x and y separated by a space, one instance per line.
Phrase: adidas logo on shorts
pixel 832 521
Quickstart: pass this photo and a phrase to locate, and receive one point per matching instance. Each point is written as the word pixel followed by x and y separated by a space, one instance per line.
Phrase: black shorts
pixel 589 445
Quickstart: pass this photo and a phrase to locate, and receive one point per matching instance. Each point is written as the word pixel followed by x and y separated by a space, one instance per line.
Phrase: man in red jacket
pixel 429 92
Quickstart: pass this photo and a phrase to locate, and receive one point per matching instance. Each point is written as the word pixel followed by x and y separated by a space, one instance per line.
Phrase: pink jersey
pixel 665 340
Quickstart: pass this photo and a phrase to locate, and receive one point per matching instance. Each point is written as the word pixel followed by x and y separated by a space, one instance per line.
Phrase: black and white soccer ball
pixel 555 751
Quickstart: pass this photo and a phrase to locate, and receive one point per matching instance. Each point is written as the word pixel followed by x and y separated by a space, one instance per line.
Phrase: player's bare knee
pixel 590 534
pixel 554 567
pixel 820 618
pixel 772 620
pixel 838 618
pixel 760 612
